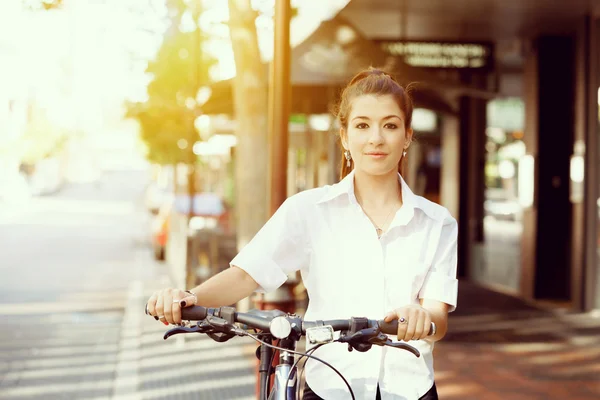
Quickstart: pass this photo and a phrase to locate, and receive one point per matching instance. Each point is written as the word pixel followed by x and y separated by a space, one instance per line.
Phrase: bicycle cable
pixel 244 333
pixel 302 373
pixel 310 352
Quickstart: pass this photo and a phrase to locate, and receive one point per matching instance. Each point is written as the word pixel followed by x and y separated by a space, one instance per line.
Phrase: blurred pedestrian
pixel 366 246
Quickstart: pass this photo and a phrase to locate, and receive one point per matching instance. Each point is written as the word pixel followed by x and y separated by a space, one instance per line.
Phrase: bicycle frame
pixel 282 371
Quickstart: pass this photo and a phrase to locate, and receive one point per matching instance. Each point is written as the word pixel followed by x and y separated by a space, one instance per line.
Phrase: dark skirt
pixel 310 395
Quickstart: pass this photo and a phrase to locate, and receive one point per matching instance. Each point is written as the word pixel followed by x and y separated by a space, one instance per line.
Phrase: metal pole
pixel 279 106
pixel 590 288
pixel 191 242
pixel 196 66
pixel 279 109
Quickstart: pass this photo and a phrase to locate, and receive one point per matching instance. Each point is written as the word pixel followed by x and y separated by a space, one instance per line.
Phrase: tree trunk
pixel 250 93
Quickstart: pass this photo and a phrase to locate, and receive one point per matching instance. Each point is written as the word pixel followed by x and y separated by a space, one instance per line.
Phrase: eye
pixel 391 126
pixel 362 125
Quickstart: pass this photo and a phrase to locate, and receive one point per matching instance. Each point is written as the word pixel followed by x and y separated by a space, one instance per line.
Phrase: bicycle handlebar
pixel 197 313
pixel 358 333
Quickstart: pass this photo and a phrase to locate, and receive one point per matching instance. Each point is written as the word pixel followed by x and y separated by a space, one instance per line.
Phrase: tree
pixel 250 93
pixel 180 69
pixel 42 4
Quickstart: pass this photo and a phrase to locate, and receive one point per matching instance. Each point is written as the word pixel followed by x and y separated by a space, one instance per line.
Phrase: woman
pixel 366 246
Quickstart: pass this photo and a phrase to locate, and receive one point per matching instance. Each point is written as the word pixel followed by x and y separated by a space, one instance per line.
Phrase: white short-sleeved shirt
pixel 349 272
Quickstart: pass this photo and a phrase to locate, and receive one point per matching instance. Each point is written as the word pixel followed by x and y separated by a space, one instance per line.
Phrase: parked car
pixel 160 188
pixel 155 196
pixel 209 212
pixel 159 231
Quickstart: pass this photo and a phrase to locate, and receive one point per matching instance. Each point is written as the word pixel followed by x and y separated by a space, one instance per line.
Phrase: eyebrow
pixel 386 117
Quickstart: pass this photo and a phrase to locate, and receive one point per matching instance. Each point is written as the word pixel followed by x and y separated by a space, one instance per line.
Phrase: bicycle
pixel 220 325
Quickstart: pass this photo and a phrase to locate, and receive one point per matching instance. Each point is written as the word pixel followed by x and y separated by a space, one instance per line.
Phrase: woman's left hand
pixel 414 322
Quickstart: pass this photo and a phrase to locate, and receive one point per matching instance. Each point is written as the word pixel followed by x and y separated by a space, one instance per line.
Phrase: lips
pixel 376 154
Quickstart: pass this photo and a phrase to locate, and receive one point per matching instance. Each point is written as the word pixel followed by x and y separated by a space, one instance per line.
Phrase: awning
pixel 323 64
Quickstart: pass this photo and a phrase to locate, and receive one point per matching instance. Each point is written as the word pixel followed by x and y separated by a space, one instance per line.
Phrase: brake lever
pixel 201 327
pixel 403 346
pixel 184 329
pixel 365 338
pixel 382 339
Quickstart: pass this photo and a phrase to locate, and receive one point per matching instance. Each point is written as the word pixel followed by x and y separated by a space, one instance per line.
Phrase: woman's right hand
pixel 165 305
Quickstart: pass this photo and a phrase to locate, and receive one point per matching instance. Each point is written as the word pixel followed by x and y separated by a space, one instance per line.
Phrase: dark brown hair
pixel 375 82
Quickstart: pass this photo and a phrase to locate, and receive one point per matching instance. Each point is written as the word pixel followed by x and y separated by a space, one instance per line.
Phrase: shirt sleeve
pixel 440 283
pixel 278 249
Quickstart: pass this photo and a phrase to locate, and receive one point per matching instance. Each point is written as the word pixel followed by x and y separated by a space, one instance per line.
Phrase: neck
pixel 376 191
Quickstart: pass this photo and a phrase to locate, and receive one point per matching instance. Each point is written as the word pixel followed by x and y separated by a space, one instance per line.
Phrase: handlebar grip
pixel 391 328
pixel 194 313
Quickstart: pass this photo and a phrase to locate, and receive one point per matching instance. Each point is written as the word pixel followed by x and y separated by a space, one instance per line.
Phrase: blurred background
pixel 143 142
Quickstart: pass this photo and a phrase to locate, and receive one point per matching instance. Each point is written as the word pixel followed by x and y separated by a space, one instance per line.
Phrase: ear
pixel 409 136
pixel 344 138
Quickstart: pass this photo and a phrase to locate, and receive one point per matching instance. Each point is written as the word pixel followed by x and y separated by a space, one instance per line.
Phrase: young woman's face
pixel 375 135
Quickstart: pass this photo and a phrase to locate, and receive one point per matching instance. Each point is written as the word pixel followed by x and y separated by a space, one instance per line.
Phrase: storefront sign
pixel 441 54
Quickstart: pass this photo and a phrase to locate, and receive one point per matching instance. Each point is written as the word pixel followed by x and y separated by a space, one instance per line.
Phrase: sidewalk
pixel 498 347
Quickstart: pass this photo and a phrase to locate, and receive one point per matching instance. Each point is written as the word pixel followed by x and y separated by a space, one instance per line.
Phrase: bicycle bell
pixel 280 327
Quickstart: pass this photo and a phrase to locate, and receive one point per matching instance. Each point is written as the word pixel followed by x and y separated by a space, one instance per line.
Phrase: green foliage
pixel 46 5
pixel 167 117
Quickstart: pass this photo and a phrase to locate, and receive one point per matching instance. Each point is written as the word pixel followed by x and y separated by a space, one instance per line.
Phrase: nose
pixel 376 136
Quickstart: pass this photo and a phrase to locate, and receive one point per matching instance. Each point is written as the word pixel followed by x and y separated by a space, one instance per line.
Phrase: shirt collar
pixel 346 186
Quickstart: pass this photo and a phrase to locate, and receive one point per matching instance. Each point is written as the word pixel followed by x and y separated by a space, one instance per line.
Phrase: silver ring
pixel 176 301
pixel 161 316
pixel 403 320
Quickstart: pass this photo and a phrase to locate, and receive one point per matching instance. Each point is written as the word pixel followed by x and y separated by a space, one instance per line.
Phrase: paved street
pixel 75 269
pixel 66 265
pixel 68 248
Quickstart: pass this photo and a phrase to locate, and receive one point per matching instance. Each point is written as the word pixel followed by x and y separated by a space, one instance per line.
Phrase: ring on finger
pixel 176 301
pixel 403 320
pixel 161 317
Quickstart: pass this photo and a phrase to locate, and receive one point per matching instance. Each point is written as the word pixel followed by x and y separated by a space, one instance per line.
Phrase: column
pixel 450 170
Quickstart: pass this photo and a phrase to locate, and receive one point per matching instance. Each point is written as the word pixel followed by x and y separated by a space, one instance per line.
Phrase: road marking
pixel 128 361
pixel 58 307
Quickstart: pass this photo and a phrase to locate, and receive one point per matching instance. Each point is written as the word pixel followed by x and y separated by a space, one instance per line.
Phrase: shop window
pixel 498 256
